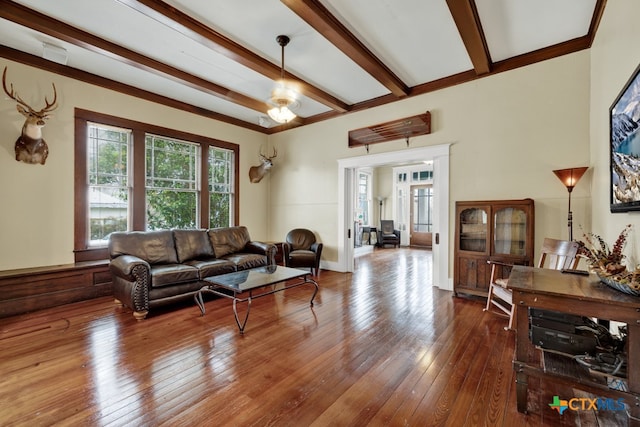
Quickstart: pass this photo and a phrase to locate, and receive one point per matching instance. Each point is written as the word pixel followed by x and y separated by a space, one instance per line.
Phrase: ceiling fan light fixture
pixel 281 114
pixel 282 101
pixel 282 98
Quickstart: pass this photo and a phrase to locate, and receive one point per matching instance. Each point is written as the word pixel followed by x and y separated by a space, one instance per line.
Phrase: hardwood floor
pixel 380 347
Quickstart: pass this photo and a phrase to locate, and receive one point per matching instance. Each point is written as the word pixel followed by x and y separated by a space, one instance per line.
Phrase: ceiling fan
pixel 283 99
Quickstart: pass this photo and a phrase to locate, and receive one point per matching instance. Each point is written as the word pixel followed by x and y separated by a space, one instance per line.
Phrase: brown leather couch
pixel 153 268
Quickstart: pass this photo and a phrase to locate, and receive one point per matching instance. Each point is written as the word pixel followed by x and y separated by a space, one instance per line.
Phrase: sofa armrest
pixel 286 250
pixel 268 249
pixel 131 282
pixel 123 266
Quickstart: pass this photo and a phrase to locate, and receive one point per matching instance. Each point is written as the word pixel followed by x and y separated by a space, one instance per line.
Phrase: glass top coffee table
pixel 233 285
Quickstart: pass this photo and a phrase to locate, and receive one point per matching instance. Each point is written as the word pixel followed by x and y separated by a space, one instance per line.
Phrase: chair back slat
pixel 558 254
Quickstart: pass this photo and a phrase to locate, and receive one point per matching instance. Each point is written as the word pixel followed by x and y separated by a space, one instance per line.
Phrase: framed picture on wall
pixel 624 143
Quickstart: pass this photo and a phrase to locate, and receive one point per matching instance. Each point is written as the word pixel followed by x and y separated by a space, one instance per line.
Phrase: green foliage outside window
pixel 172 182
pixel 107 154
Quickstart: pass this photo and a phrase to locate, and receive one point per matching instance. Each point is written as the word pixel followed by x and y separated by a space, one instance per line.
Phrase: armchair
pixel 302 250
pixel 387 235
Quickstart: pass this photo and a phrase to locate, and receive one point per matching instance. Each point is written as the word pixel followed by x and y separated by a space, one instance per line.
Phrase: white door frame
pixel 440 156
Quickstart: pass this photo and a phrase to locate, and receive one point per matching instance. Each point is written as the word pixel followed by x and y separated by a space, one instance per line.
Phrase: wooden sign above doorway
pixel 390 131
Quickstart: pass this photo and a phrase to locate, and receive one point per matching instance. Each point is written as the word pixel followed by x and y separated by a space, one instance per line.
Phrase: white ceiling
pixel 413 43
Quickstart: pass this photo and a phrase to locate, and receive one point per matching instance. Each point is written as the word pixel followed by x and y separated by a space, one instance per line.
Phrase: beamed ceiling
pixel 220 58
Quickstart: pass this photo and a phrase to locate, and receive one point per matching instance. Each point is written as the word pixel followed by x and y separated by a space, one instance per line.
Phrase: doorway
pixel 421 216
pixel 439 154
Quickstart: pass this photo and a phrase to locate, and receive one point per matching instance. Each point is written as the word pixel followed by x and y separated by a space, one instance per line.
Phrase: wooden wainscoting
pixel 29 289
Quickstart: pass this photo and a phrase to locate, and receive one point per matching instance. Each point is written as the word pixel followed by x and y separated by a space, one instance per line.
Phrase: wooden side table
pixel 584 296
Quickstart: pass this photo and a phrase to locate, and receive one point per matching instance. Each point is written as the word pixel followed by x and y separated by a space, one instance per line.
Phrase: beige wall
pixel 36 213
pixel 509 131
pixel 614 56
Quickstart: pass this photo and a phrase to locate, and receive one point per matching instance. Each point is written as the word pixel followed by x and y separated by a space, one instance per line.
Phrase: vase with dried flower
pixel 608 262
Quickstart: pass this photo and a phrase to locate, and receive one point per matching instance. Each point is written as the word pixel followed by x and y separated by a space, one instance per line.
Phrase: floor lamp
pixel 381 200
pixel 570 178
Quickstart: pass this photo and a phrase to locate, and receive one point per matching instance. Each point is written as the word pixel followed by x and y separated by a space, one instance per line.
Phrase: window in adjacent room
pixel 364 197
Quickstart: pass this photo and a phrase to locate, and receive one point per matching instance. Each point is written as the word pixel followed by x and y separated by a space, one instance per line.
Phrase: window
pixel 423 175
pixel 135 176
pixel 423 209
pixel 364 198
pixel 172 183
pixel 221 186
pixel 108 176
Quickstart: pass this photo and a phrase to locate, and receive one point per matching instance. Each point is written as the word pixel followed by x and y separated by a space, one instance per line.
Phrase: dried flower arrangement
pixel 608 262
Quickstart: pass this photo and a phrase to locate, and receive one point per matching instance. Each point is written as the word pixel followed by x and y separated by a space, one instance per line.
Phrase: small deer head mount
pixel 256 173
pixel 30 147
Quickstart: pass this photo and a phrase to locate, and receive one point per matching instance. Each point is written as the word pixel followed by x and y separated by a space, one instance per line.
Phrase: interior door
pixel 421 217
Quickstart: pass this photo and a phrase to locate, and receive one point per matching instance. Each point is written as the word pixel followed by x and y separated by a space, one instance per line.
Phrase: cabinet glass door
pixel 510 232
pixel 473 230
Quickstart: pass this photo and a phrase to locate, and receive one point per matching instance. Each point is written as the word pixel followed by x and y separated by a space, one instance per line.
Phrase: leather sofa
pixel 154 268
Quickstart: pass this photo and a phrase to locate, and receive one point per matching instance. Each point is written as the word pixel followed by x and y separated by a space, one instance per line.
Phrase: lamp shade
pixel 571 176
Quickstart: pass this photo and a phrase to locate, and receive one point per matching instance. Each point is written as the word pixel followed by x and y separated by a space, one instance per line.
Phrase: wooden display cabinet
pixel 496 230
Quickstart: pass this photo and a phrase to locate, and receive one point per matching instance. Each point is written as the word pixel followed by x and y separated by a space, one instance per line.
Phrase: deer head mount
pixel 30 147
pixel 256 173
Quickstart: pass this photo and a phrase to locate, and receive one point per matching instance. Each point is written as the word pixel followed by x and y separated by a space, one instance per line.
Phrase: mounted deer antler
pixel 256 173
pixel 30 147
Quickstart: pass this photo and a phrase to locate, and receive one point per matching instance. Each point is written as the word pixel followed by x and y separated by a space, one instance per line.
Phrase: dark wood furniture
pixel 496 230
pixel 29 289
pixel 580 295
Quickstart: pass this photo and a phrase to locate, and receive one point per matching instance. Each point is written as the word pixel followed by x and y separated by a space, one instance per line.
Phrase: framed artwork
pixel 624 143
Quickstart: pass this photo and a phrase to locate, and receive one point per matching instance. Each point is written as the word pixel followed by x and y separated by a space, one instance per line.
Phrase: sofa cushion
pixel 214 267
pixel 155 247
pixel 302 258
pixel 171 274
pixel 245 261
pixel 192 244
pixel 228 240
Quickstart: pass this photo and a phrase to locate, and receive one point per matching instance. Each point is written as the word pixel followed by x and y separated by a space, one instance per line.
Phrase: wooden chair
pixel 555 254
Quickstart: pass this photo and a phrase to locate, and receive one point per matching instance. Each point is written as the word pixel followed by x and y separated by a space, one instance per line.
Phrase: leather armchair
pixel 302 250
pixel 387 235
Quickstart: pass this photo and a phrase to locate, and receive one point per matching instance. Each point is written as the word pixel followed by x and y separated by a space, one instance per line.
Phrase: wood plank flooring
pixel 380 347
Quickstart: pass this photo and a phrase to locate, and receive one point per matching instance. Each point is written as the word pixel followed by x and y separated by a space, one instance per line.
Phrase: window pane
pixel 171 209
pixel 221 185
pixel 172 183
pixel 107 164
pixel 422 210
pixel 363 198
